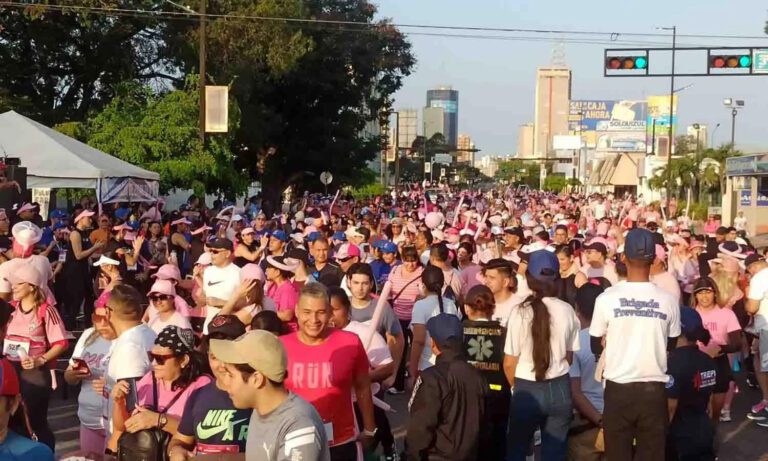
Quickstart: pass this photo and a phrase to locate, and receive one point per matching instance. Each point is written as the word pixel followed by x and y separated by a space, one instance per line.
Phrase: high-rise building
pixel 703 136
pixel 465 146
pixel 407 128
pixel 553 96
pixel 525 141
pixel 434 121
pixel 448 99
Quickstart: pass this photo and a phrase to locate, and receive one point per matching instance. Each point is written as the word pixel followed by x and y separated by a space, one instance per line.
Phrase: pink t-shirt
pixel 101 301
pixel 719 322
pixel 323 375
pixel 286 296
pixel 165 394
pixel 35 332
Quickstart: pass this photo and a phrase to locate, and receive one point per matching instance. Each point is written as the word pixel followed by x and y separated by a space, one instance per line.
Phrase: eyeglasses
pixel 160 297
pixel 160 359
pixel 96 318
pixel 215 251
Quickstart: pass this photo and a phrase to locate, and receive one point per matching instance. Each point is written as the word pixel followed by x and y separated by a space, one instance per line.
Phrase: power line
pixel 612 36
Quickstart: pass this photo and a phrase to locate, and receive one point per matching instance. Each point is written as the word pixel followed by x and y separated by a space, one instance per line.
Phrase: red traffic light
pixel 730 61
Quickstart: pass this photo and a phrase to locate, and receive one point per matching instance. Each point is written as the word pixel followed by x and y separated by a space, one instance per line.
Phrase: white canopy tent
pixel 54 160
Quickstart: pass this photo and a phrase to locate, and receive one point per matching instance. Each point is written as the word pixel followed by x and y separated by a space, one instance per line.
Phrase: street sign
pixel 326 177
pixel 760 61
pixel 442 172
pixel 427 167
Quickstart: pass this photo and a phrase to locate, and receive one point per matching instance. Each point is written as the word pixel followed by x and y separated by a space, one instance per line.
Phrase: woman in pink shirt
pixel 176 374
pixel 725 331
pixel 35 338
pixel 281 289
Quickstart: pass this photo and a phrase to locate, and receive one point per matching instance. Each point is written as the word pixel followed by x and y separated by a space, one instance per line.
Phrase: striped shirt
pixel 403 305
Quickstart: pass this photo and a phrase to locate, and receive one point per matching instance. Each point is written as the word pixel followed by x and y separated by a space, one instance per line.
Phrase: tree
pixel 519 171
pixel 66 61
pixel 555 182
pixel 160 133
pixel 702 172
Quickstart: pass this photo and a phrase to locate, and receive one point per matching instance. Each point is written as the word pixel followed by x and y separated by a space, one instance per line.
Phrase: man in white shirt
pixel 499 276
pixel 595 255
pixel 639 322
pixel 757 306
pixel 128 357
pixel 663 278
pixel 740 222
pixel 220 280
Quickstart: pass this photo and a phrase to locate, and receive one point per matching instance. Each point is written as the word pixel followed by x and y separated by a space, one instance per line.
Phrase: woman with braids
pixel 541 337
pixel 433 303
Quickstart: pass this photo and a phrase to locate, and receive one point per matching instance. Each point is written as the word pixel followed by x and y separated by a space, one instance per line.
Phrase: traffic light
pixel 626 62
pixel 733 61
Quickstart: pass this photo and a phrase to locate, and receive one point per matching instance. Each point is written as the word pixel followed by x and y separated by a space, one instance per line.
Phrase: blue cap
pixel 388 247
pixel 444 327
pixel 58 214
pixel 134 225
pixel 122 213
pixel 639 244
pixel 313 236
pixel 690 320
pixel 280 235
pixel 59 225
pixel 543 265
pixel 339 236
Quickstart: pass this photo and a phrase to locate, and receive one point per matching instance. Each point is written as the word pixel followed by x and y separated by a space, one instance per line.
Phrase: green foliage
pixel 555 182
pixel 74 130
pixel 160 133
pixel 411 170
pixel 697 211
pixel 702 173
pixel 368 191
pixel 519 172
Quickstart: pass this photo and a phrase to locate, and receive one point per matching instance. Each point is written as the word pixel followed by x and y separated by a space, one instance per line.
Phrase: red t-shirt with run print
pixel 323 375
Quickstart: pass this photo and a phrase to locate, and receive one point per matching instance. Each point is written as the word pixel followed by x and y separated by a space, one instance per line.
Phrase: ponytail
pixel 540 326
pixel 433 280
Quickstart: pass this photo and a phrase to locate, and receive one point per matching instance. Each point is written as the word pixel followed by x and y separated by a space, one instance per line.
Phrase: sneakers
pixel 392 457
pixel 393 391
pixel 759 412
pixel 763 422
pixel 725 416
pixel 751 381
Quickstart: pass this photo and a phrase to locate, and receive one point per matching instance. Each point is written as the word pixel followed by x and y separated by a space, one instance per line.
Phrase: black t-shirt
pixel 329 275
pixel 211 418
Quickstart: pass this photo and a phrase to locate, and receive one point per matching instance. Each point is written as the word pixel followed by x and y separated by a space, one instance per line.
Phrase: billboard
pixel 658 114
pixel 610 126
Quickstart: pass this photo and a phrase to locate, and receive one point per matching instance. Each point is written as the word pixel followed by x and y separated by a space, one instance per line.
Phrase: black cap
pixel 722 230
pixel 597 246
pixel 221 244
pixel 515 231
pixel 751 259
pixel 444 328
pixel 640 244
pixel 226 327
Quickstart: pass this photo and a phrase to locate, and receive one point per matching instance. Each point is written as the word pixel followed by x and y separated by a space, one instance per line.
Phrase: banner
pixel 658 114
pixel 745 198
pixel 128 190
pixel 610 126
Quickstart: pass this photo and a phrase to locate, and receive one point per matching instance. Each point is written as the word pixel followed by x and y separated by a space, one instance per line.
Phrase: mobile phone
pixel 81 365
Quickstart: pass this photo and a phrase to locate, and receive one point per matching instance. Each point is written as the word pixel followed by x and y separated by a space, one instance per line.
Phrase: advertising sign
pixel 449 106
pixel 745 198
pixel 610 126
pixel 762 199
pixel 739 166
pixel 760 61
pixel 658 113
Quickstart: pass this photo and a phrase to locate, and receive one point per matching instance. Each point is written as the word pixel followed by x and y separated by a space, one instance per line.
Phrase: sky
pixel 496 78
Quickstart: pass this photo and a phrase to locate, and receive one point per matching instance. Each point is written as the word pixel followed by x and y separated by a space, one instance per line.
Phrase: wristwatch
pixel 162 421
pixel 370 433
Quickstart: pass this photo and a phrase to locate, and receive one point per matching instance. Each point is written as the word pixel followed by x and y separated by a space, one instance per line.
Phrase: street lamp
pixel 671 111
pixel 712 136
pixel 734 105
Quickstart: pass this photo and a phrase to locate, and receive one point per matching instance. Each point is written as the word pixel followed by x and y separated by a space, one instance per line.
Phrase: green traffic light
pixel 641 62
pixel 745 61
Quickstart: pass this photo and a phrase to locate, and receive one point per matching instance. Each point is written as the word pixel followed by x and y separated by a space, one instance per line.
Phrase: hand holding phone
pixel 81 366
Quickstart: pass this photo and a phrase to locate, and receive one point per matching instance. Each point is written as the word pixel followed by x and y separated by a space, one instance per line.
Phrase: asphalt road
pixel 740 440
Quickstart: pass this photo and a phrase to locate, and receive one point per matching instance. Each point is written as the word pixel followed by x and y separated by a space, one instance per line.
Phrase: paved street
pixel 741 440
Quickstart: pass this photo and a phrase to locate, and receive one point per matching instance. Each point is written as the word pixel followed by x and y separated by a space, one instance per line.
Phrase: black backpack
pixel 146 444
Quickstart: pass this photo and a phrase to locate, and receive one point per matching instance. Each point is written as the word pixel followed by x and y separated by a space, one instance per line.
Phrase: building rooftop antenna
pixel 558 54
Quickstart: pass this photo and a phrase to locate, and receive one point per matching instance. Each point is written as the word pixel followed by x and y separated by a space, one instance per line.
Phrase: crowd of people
pixel 519 322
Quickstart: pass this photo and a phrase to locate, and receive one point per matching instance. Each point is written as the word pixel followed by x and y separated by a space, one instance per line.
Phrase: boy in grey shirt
pixel 283 426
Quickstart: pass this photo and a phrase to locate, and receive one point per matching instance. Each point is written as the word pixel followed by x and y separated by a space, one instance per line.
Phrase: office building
pixel 448 99
pixel 407 128
pixel 703 136
pixel 465 146
pixel 525 141
pixel 553 96
pixel 434 121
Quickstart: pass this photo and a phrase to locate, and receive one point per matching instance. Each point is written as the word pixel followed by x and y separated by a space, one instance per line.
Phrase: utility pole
pixel 397 150
pixel 202 71
pixel 671 113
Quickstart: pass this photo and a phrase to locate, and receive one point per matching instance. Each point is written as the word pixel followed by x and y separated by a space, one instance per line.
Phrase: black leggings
pixel 36 391
pixel 399 383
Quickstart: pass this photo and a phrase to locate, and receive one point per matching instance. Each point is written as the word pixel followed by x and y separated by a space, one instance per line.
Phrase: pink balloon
pixel 433 219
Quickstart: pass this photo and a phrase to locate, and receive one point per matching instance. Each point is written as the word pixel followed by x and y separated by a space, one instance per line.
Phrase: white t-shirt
pixel 157 324
pixel 563 338
pixel 608 272
pixel 89 403
pixel 128 357
pixel 758 291
pixel 637 319
pixel 423 310
pixel 219 283
pixel 667 281
pixel 740 223
pixel 378 352
pixel 504 309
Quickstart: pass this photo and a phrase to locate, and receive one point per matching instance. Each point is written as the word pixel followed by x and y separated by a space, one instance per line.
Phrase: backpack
pixel 146 444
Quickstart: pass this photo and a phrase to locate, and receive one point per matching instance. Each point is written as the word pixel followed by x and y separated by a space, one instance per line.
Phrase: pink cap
pixel 123 226
pixel 163 287
pixel 201 229
pixel 661 253
pixel 26 235
pixel 84 214
pixel 348 250
pixel 168 272
pixel 181 221
pixel 252 272
pixel 247 230
pixel 25 207
pixel 26 273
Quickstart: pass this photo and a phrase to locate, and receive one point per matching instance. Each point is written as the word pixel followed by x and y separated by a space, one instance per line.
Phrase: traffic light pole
pixel 670 144
pixel 733 130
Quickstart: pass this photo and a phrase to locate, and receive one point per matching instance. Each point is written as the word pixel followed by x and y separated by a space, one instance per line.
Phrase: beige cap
pixel 258 348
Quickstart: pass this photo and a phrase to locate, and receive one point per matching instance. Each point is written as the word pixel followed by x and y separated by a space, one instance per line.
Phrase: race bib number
pixel 62 256
pixel 12 348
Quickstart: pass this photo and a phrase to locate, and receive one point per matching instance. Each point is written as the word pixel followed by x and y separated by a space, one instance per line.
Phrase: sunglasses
pixel 215 251
pixel 160 297
pixel 343 260
pixel 160 359
pixel 96 318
